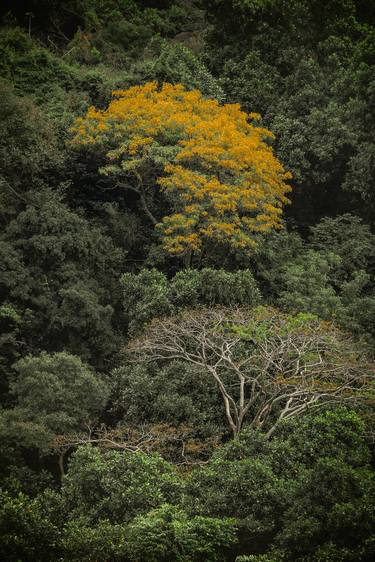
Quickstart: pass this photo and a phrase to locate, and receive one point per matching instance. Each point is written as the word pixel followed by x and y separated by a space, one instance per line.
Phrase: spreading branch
pixel 268 367
pixel 178 443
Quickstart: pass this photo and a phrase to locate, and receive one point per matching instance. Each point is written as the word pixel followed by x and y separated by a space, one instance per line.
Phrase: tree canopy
pixel 266 365
pixel 221 180
pixel 187 280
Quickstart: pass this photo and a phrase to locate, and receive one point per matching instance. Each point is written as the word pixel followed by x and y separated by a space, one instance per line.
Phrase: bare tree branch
pixel 178 442
pixel 267 366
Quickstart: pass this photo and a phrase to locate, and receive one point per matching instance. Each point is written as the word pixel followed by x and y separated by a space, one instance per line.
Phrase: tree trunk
pixel 61 465
pixel 187 257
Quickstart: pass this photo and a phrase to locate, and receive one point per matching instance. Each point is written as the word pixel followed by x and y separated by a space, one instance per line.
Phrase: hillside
pixel 187 280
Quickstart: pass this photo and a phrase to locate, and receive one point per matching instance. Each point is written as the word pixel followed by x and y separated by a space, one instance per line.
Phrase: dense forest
pixel 187 281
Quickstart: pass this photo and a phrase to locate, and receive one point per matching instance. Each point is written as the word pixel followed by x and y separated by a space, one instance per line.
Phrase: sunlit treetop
pixel 211 162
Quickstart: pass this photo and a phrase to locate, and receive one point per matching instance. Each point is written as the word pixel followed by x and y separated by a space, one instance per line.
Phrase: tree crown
pixel 214 166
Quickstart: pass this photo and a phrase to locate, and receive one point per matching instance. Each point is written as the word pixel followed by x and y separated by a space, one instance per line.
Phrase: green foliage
pixel 252 80
pixel 300 21
pixel 9 345
pixel 306 284
pixel 54 395
pixel 306 494
pixel 169 533
pixel 86 543
pixel 247 490
pixel 8 313
pixel 21 432
pixel 58 391
pixel 28 150
pixel 146 295
pixel 22 60
pixel 60 273
pixel 316 476
pixel 333 514
pixel 263 326
pixel 274 252
pixel 300 64
pixel 116 32
pixel 176 394
pixel 117 486
pixel 358 298
pixel 25 534
pixel 330 275
pixel 62 89
pixel 350 239
pixel 150 294
pixel 176 64
pixel 259 558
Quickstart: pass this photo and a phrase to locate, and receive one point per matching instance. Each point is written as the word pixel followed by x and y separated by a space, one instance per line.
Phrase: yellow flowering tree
pixel 219 178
